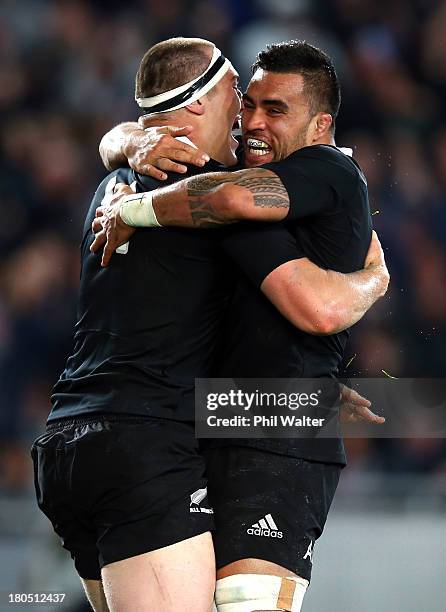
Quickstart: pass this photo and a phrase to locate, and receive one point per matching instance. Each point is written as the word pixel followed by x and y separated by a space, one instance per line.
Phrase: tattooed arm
pixel 205 201
pixel 211 200
pixel 315 300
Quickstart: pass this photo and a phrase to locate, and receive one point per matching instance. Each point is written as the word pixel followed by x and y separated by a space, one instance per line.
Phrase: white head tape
pixel 189 92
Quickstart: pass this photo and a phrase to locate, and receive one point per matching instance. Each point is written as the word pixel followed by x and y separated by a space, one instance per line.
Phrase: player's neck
pixel 205 141
pixel 327 139
pixel 199 139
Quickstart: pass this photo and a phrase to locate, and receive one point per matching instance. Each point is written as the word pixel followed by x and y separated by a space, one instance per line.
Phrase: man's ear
pixel 320 125
pixel 197 108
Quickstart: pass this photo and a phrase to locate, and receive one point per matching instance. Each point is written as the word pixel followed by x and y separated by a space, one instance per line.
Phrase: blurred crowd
pixel 66 76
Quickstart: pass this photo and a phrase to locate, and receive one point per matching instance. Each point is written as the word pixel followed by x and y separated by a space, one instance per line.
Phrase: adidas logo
pixel 310 551
pixel 196 499
pixel 266 528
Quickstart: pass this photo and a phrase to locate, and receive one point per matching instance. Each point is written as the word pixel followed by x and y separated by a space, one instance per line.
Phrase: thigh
pixel 95 595
pixel 177 577
pixel 268 507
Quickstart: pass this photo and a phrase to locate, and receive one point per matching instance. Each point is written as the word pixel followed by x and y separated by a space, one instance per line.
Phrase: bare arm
pixel 205 201
pixel 113 144
pixel 315 300
pixel 211 200
pixel 152 151
pixel 324 301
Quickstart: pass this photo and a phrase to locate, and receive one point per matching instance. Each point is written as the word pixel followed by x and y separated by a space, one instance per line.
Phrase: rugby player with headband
pixel 119 470
pixel 189 92
pixel 140 211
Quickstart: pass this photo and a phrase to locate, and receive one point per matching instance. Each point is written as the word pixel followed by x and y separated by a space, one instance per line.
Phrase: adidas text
pixel 266 533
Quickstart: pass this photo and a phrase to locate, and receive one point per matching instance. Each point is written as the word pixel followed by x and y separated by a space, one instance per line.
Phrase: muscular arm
pixel 323 301
pixel 315 300
pixel 205 201
pixel 212 200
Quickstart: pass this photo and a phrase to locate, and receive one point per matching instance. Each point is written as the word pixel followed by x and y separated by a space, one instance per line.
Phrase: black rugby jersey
pixel 330 219
pixel 147 324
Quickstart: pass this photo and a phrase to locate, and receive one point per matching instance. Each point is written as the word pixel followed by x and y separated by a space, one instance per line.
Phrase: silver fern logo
pixel 196 499
pixel 198 496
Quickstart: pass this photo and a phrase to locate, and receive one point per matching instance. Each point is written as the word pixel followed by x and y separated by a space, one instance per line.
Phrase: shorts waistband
pixel 66 423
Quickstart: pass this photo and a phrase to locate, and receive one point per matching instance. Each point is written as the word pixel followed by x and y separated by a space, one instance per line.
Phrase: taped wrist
pixel 136 210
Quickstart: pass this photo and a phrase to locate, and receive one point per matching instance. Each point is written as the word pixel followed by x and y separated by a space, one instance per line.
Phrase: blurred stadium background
pixel 66 76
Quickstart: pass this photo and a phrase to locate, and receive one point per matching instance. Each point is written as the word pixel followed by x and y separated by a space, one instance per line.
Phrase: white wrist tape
pixel 137 210
pixel 247 592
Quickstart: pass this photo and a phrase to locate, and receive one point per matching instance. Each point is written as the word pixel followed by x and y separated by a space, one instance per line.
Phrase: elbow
pixel 104 156
pixel 325 324
pixel 385 280
pixel 312 316
pixel 329 325
pixel 324 321
pixel 232 202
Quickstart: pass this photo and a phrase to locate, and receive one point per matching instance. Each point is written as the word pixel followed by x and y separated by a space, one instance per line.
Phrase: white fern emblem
pixel 198 496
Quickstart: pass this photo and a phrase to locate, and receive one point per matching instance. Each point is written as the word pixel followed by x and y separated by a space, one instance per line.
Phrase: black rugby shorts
pixel 118 487
pixel 268 506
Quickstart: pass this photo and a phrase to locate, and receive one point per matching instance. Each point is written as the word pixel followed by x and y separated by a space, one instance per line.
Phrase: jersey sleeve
pixel 258 249
pixel 307 184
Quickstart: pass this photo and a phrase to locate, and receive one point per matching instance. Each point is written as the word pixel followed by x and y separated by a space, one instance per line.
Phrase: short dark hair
pixel 171 63
pixel 321 82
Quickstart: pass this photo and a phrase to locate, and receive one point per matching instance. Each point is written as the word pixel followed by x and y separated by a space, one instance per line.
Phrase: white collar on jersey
pixel 346 150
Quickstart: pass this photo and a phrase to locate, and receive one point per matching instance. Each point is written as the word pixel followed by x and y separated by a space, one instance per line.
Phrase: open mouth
pixel 258 147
